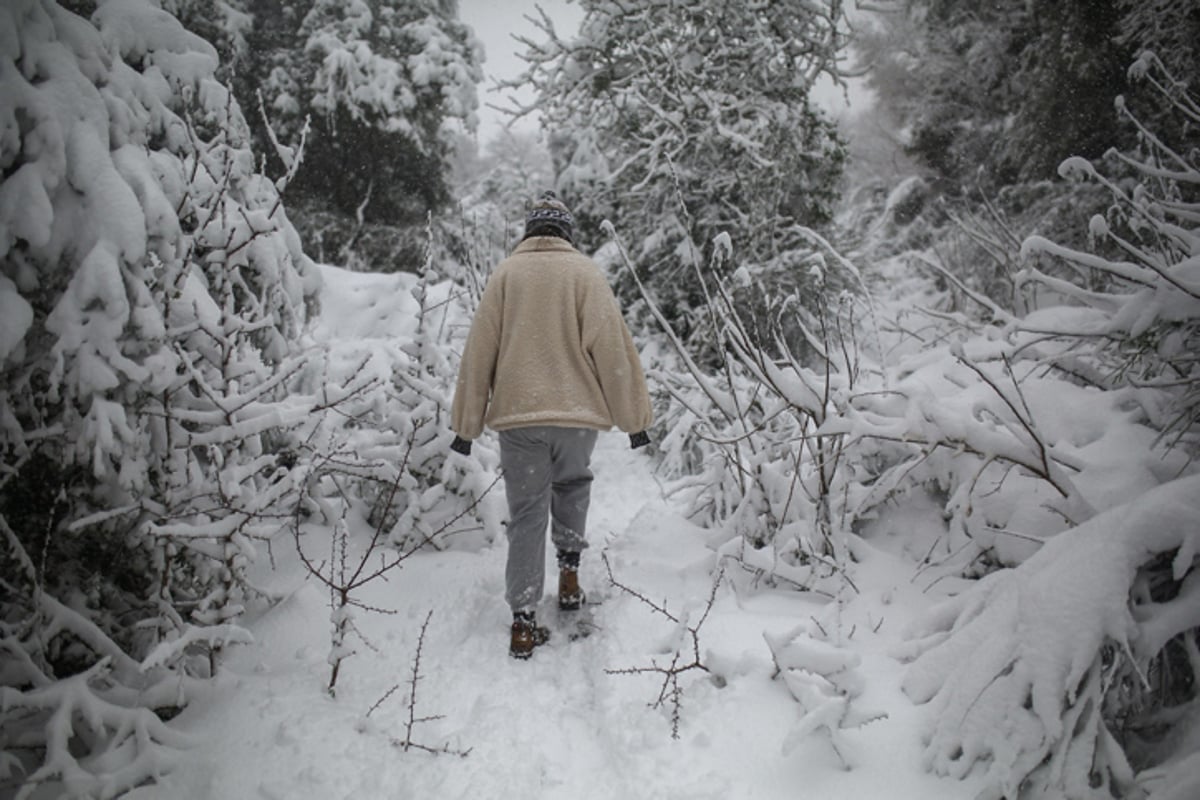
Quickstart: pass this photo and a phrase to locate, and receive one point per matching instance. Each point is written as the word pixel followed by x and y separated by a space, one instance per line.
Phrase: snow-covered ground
pixel 561 724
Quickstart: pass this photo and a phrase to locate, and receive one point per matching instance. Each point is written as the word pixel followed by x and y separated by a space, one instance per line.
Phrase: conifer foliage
pixel 383 83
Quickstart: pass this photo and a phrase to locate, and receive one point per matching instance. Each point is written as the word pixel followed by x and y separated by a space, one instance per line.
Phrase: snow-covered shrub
pixel 824 680
pixel 153 292
pixel 379 459
pixel 1033 672
pixel 1072 672
pixel 800 448
pixel 1132 321
pixel 974 407
pixel 768 476
pixel 424 384
pixel 394 351
pixel 964 423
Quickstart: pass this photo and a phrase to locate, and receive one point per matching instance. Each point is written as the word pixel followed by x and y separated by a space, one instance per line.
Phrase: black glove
pixel 639 439
pixel 461 445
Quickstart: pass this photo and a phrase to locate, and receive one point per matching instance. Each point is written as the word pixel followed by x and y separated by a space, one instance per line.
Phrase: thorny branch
pixel 670 692
pixel 407 743
pixel 341 581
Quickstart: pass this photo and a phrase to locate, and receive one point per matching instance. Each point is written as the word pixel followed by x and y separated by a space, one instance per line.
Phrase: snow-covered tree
pixel 677 121
pixel 384 83
pixel 990 95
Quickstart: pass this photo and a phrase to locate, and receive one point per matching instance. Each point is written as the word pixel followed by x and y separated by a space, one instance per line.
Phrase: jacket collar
pixel 542 244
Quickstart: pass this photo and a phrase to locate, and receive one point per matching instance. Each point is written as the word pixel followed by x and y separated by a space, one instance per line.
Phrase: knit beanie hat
pixel 548 216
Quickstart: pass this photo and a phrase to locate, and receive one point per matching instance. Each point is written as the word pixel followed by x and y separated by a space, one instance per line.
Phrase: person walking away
pixel 549 363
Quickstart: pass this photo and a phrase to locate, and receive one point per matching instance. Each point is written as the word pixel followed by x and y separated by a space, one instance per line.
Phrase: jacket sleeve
pixel 607 341
pixel 478 366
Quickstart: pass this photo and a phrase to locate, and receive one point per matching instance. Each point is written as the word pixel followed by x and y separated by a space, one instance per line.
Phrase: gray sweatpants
pixel 546 476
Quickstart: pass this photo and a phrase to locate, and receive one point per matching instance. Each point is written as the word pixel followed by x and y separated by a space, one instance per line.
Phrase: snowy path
pixel 558 725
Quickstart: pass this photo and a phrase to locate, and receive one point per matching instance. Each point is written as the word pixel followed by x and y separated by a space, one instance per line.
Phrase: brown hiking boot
pixel 526 635
pixel 570 596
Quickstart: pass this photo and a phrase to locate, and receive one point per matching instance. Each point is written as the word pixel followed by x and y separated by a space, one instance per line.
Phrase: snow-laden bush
pixel 1133 322
pixel 390 344
pixel 1031 671
pixel 1065 676
pixel 153 293
pixel 744 477
pixel 790 451
pixel 164 412
pixel 380 457
pixel 787 451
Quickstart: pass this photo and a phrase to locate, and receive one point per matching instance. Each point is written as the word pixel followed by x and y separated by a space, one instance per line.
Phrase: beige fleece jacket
pixel 548 346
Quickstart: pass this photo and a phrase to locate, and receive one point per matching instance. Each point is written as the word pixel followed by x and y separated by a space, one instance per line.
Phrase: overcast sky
pixel 495 24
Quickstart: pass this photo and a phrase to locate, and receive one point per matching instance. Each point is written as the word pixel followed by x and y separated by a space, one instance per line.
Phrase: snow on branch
pixel 127 746
pixel 409 742
pixel 1142 312
pixel 670 693
pixel 824 680
pixel 1019 670
pixel 211 637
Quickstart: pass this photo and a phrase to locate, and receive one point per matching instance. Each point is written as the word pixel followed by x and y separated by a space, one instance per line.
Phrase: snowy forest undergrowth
pixel 568 721
pixel 919 528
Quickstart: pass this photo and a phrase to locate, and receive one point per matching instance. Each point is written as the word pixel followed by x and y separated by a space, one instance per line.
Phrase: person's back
pixel 558 348
pixel 548 363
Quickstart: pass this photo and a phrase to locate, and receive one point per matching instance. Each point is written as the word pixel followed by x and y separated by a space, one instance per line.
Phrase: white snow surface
pixel 558 725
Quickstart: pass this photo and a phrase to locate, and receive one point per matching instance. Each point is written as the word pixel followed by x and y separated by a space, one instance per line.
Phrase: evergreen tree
pixel 999 93
pixel 383 84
